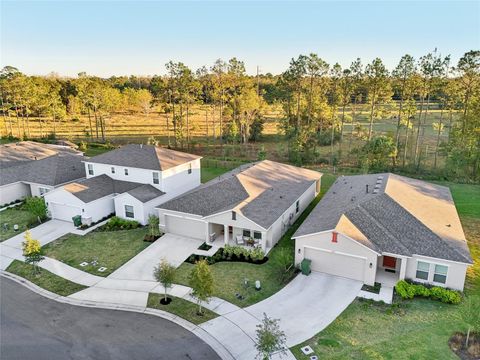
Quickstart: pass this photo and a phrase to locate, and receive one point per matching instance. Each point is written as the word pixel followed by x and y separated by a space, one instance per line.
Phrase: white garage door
pixel 65 212
pixel 336 264
pixel 185 227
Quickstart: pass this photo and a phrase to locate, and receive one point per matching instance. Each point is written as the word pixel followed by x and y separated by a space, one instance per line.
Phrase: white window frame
pixel 42 191
pixel 234 215
pixel 156 180
pixel 427 271
pixel 131 212
pixel 90 169
pixel 125 171
pixel 435 273
pixel 255 235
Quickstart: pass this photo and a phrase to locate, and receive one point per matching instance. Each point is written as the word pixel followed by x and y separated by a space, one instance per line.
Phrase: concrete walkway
pixel 175 249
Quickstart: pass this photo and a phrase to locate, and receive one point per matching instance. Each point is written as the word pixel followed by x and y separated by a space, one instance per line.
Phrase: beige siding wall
pixel 455 276
pixel 344 245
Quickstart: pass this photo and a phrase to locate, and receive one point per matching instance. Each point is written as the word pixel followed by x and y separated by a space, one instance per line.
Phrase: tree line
pixel 319 102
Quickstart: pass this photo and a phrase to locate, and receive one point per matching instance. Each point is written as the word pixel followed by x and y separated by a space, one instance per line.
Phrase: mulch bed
pixel 457 345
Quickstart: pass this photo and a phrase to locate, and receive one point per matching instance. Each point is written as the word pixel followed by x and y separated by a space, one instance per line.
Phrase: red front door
pixel 389 262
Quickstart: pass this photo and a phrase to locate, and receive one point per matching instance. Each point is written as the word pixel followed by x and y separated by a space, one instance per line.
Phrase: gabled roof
pixel 397 215
pixel 144 157
pixel 260 191
pixel 145 193
pixel 97 187
pixel 53 170
pixel 19 153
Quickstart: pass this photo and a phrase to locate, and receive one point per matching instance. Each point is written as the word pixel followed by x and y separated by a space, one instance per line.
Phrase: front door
pixel 389 262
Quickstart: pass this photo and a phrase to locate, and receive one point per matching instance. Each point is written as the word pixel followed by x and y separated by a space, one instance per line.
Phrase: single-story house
pixel 255 203
pixel 129 181
pixel 37 177
pixel 384 228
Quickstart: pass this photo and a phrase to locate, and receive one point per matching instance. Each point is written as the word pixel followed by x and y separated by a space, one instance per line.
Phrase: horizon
pixel 123 38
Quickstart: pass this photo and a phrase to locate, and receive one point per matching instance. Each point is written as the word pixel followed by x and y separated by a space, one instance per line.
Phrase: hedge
pixel 409 291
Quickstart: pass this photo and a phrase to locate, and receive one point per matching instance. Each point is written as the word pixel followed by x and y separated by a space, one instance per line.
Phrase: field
pixel 416 329
pixel 204 132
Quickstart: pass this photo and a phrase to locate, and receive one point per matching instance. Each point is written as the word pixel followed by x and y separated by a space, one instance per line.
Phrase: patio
pixel 221 235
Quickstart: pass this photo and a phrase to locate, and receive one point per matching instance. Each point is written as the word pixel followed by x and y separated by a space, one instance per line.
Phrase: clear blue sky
pixel 132 37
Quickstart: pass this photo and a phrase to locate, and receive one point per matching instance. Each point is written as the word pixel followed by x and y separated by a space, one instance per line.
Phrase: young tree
pixel 201 282
pixel 36 205
pixel 32 251
pixel 153 225
pixel 270 338
pixel 378 152
pixel 470 314
pixel 164 273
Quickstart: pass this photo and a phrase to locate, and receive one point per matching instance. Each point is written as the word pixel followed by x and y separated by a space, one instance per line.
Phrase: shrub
pixel 116 223
pixel 409 291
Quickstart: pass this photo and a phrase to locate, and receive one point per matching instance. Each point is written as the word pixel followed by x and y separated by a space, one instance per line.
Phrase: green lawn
pixel 420 329
pixel 229 276
pixel 209 173
pixel 16 215
pixel 45 279
pixel 110 248
pixel 183 308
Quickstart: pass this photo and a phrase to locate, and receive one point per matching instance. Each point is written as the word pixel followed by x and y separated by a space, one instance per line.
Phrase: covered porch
pixel 390 269
pixel 221 235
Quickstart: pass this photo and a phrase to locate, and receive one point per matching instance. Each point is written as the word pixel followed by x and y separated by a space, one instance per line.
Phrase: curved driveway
pixel 33 327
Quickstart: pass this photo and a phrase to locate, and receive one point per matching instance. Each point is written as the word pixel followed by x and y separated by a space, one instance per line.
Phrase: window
pixel 440 274
pixel 234 215
pixel 246 233
pixel 422 270
pixel 257 235
pixel 189 168
pixel 126 172
pixel 155 178
pixel 113 170
pixel 90 169
pixel 42 191
pixel 129 211
pixel 297 207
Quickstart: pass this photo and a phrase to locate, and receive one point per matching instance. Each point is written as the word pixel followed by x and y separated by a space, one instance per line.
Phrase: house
pixel 24 178
pixel 129 181
pixel 255 203
pixel 384 228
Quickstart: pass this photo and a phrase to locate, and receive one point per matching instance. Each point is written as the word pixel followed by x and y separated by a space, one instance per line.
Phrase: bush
pixel 232 253
pixel 409 291
pixel 116 223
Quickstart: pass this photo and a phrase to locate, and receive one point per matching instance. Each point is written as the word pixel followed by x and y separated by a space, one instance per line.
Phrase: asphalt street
pixel 33 327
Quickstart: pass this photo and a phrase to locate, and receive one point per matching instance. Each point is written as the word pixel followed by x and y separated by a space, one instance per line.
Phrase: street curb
pixel 221 351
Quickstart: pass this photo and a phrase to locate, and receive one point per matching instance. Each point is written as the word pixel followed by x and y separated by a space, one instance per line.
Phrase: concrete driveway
pixel 45 233
pixel 305 306
pixel 174 248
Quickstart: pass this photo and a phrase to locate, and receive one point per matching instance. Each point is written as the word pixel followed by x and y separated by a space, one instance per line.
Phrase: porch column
pixel 207 232
pixel 403 268
pixel 264 241
pixel 226 235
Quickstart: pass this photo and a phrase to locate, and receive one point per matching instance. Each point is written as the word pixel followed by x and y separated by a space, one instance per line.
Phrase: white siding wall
pixel 175 180
pixel 455 276
pixel 34 188
pixel 99 208
pixel 343 245
pixel 12 192
pixel 138 208
pixel 278 228
pixel 242 222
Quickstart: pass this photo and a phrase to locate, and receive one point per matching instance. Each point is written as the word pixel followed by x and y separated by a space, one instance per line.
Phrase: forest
pixel 422 117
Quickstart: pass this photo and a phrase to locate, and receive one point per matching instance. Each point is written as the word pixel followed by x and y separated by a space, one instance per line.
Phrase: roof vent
pixel 375 191
pixel 449 225
pixel 380 177
pixel 141 146
pixel 366 188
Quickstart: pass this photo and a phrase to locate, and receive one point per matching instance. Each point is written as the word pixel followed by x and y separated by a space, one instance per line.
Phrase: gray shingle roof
pixel 144 157
pixel 97 187
pixel 18 153
pixel 399 217
pixel 53 170
pixel 145 193
pixel 261 191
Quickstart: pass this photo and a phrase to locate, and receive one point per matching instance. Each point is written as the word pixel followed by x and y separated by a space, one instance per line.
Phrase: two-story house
pixel 129 181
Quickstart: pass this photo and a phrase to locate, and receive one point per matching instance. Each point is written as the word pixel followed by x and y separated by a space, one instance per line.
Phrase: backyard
pixel 230 276
pixel 16 215
pixel 110 249
pixel 417 328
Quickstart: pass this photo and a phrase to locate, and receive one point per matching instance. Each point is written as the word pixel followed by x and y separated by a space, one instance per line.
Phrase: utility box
pixel 305 266
pixel 77 220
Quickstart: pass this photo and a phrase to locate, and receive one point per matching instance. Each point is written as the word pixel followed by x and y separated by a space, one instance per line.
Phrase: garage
pixel 64 212
pixel 335 263
pixel 185 226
